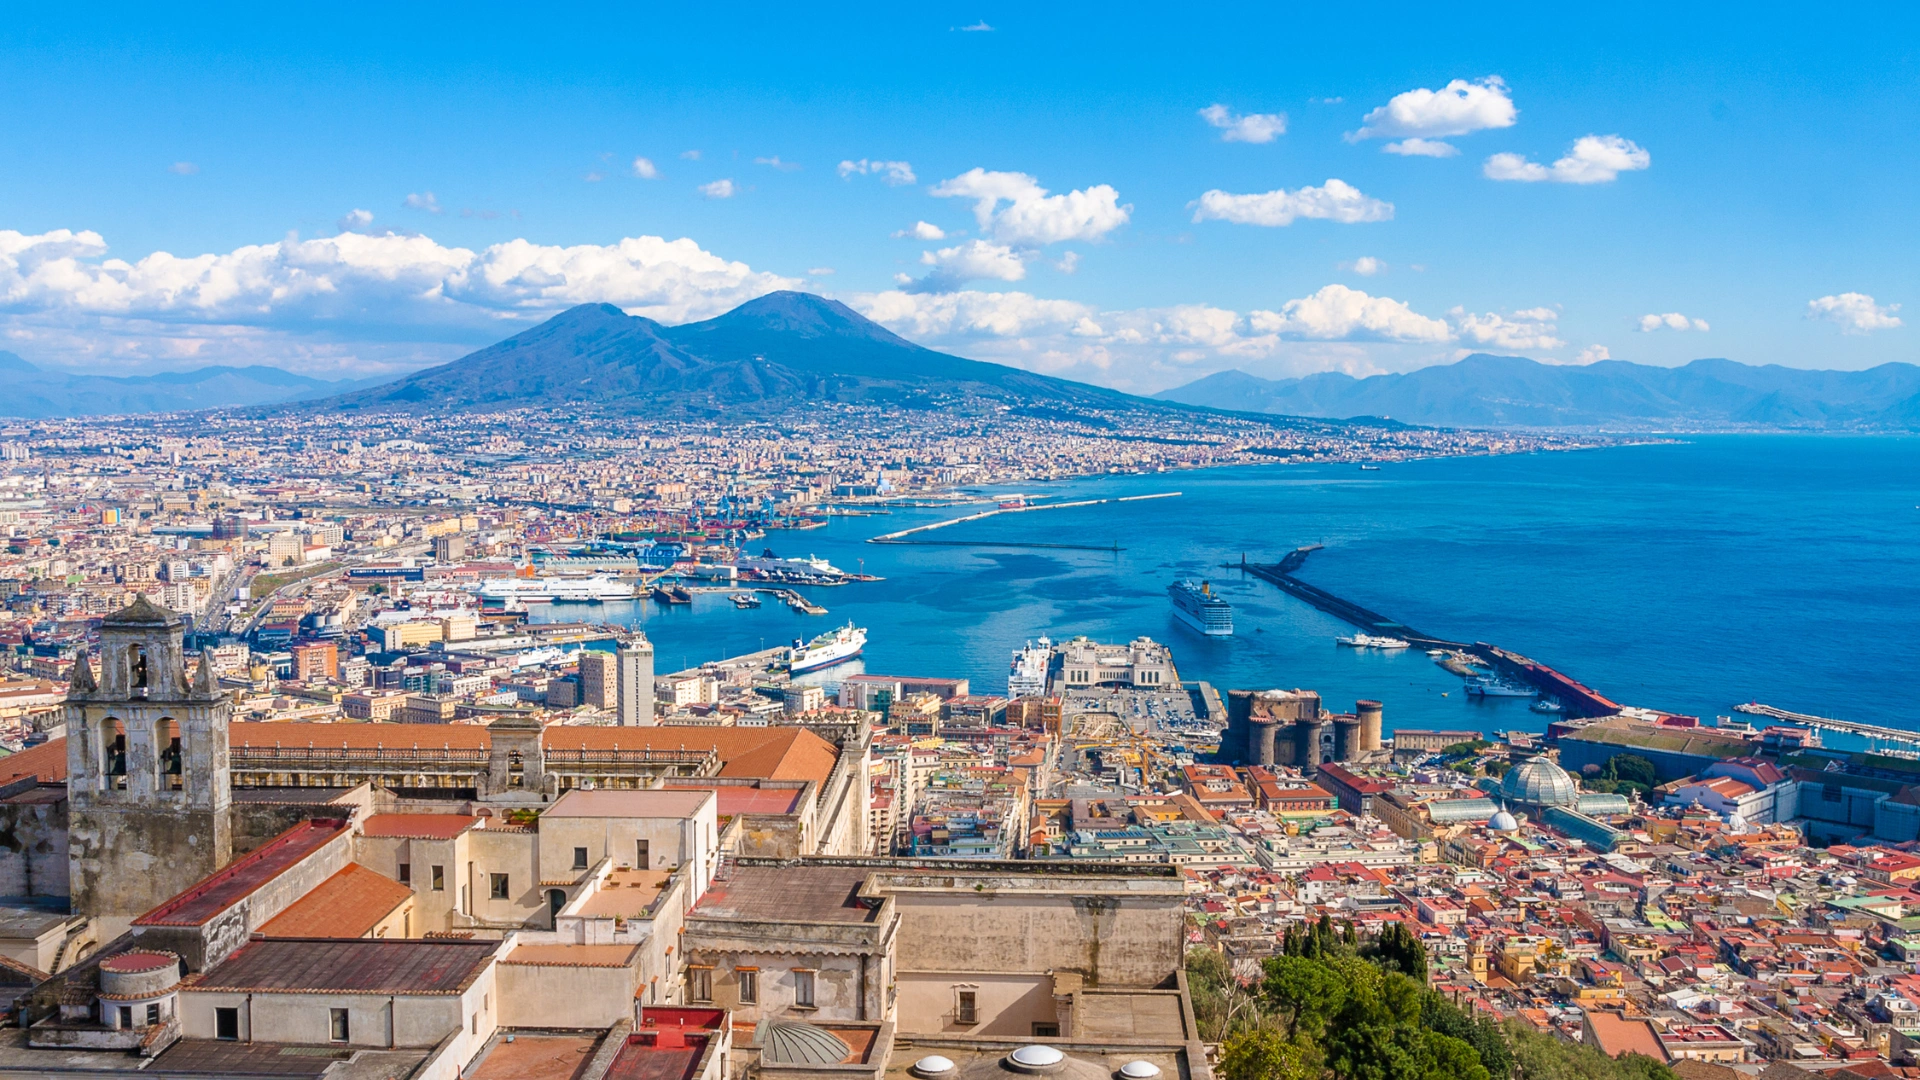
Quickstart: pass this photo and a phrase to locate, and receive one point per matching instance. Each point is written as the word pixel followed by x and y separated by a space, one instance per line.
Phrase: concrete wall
pixel 1007 1005
pixel 545 995
pixel 671 842
pixel 374 1020
pixel 500 851
pixel 255 823
pixel 836 986
pixel 432 910
pixel 33 845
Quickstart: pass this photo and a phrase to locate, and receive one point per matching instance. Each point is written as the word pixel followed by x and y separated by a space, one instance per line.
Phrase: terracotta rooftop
pixel 607 956
pixel 628 804
pixel 267 735
pixel 222 889
pixel 642 1059
pixel 788 894
pixel 418 826
pixel 1614 1035
pixel 537 1057
pixel 626 894
pixel 347 905
pixel 737 799
pixel 361 966
pixel 47 762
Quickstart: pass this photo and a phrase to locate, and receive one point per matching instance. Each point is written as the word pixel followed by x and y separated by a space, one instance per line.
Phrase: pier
pixel 901 536
pixel 1874 732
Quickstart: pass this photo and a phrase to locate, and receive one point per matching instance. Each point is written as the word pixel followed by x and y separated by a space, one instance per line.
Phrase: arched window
pixel 169 762
pixel 137 671
pixel 113 755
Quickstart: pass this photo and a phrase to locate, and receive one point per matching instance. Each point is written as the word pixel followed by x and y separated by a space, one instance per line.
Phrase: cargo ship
pixel 589 590
pixel 1195 605
pixel 830 648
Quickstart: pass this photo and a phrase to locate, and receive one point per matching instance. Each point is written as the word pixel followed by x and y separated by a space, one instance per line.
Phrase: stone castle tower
pixel 149 791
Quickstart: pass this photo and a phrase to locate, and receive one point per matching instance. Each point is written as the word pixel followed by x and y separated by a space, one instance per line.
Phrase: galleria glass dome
pixel 1538 782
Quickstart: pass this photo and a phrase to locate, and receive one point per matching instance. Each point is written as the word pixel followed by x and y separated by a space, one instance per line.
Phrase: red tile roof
pixel 222 889
pixel 364 966
pixel 347 905
pixel 48 762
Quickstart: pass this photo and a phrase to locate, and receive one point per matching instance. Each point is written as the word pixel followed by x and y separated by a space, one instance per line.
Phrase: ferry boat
pixel 1494 687
pixel 828 649
pixel 745 600
pixel 1371 641
pixel 1195 605
pixel 588 590
pixel 1027 675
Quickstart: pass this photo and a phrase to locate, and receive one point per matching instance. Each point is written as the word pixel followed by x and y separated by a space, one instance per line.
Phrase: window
pixel 226 1024
pixel 126 1016
pixel 579 858
pixel 803 989
pixel 749 985
pixel 439 879
pixel 153 1014
pixel 700 984
pixel 406 873
pixel 640 855
pixel 968 1011
pixel 1046 1031
pixel 499 886
pixel 337 1025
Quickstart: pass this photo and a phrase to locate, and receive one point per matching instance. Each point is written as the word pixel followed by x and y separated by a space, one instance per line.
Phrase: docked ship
pixel 1494 687
pixel 828 649
pixel 1371 641
pixel 1027 676
pixel 1195 605
pixel 597 589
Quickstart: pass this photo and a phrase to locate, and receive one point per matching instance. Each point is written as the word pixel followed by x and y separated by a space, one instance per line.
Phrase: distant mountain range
pixel 35 393
pixel 763 356
pixel 1508 391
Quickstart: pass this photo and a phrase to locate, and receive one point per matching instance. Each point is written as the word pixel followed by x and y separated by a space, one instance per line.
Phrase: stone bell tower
pixel 148 787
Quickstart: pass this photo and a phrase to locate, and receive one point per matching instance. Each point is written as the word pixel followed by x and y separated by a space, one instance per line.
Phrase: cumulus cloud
pixel 1534 328
pixel 1594 159
pixel 1365 266
pixel 774 162
pixel 1068 262
pixel 719 189
pixel 1854 313
pixel 1422 148
pixel 1593 354
pixel 1458 108
pixel 1335 200
pixel 1337 313
pixel 644 169
pixel 980 27
pixel 972 261
pixel 353 280
pixel 820 271
pixel 1250 128
pixel 922 231
pixel 354 220
pixel 1672 320
pixel 183 168
pixel 1031 216
pixel 422 200
pixel 891 173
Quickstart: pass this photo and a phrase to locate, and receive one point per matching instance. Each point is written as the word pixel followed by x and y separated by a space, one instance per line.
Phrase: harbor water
pixel 1686 577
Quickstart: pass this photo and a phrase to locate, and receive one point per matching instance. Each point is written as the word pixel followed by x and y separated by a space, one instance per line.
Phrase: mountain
pixel 764 355
pixel 1510 391
pixel 37 394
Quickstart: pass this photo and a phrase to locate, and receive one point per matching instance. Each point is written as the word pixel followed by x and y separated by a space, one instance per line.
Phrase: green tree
pixel 1307 991
pixel 1399 949
pixel 1263 1054
pixel 1220 1004
pixel 1633 769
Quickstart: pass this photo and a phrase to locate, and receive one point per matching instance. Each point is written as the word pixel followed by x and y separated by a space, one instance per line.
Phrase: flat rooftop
pixel 657 803
pixel 221 890
pixel 536 1056
pixel 595 956
pixel 290 796
pixel 788 894
pixel 226 1059
pixel 1099 1015
pixel 640 1059
pixel 625 894
pixel 366 965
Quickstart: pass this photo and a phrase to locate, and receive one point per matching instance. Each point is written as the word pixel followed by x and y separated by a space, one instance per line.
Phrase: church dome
pixel 796 1042
pixel 1538 782
pixel 1503 822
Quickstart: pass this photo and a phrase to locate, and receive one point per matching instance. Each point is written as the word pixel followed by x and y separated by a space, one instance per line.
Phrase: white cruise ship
pixel 1195 605
pixel 588 590
pixel 827 650
pixel 1372 641
pixel 1027 677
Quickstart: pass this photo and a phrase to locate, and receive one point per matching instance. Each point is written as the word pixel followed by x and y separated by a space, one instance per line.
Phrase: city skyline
pixel 1130 204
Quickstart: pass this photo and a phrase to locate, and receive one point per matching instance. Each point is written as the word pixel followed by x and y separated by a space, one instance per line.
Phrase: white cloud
pixel 644 169
pixel 1533 328
pixel 354 220
pixel 353 280
pixel 1337 313
pixel 922 231
pixel 774 162
pixel 1672 320
pixel 422 200
pixel 1594 159
pixel 594 177
pixel 1854 313
pixel 1251 128
pixel 1032 216
pixel 183 168
pixel 1422 148
pixel 980 27
pixel 891 173
pixel 1365 266
pixel 1334 201
pixel 820 271
pixel 960 314
pixel 690 155
pixel 971 261
pixel 719 189
pixel 1068 262
pixel 1458 108
pixel 1593 354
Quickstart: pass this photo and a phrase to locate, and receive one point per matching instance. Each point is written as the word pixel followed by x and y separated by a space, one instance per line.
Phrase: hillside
pixel 1509 391
pixel 763 356
pixel 37 394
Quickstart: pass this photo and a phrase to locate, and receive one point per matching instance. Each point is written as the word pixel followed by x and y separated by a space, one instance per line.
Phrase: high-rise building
pixel 599 679
pixel 635 690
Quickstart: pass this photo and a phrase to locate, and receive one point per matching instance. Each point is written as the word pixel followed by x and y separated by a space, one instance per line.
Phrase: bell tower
pixel 149 791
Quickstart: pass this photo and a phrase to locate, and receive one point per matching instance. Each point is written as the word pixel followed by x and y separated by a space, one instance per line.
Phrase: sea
pixel 1687 576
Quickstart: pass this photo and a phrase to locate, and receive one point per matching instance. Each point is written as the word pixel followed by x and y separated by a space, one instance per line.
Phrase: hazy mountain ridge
pixel 35 393
pixel 1483 390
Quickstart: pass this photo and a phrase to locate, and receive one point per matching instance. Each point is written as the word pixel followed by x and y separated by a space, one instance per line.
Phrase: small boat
pixel 1371 641
pixel 1369 468
pixel 745 600
pixel 1493 687
pixel 1548 705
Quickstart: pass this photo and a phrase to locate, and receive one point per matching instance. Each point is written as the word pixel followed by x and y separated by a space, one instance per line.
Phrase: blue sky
pixel 179 190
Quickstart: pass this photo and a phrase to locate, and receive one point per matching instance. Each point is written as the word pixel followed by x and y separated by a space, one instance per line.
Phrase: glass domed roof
pixel 1538 782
